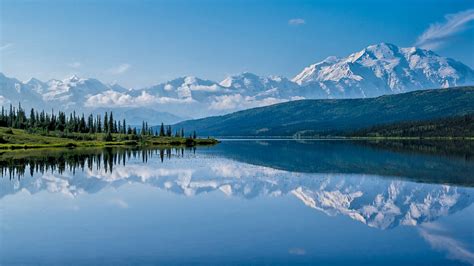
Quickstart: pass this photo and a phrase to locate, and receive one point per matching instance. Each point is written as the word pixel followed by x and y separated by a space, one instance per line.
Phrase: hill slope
pixel 458 126
pixel 315 117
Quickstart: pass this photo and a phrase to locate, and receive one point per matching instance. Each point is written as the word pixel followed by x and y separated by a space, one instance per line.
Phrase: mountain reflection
pixel 377 201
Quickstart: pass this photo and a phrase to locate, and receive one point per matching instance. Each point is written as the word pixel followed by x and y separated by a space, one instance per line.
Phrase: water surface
pixel 274 202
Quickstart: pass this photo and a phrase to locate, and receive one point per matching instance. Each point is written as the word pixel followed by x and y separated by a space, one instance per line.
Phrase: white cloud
pixel 436 237
pixel 120 69
pixel 3 100
pixel 113 98
pixel 296 21
pixel 5 46
pixel 237 101
pixel 75 64
pixel 439 33
pixel 119 203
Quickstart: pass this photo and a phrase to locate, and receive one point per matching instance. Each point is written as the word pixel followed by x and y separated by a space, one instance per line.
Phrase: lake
pixel 270 202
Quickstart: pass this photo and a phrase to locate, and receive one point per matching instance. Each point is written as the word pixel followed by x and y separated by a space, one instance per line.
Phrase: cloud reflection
pixel 373 200
pixel 437 237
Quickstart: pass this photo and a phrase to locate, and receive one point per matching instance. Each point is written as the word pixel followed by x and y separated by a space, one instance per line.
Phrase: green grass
pixel 12 139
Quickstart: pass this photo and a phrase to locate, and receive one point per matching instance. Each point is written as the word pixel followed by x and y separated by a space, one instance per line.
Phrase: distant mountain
pixel 13 90
pixel 135 115
pixel 315 117
pixel 384 69
pixel 77 94
pixel 375 70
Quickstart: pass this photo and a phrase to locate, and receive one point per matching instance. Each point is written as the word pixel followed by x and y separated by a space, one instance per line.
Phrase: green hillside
pixel 310 118
pixel 458 126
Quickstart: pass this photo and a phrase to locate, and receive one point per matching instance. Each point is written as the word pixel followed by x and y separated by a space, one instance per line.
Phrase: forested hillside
pixel 312 118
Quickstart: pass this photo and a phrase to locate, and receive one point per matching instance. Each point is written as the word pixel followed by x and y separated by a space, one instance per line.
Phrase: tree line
pixel 457 126
pixel 41 121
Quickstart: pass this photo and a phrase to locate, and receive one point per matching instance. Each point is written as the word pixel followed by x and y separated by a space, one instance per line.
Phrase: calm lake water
pixel 271 202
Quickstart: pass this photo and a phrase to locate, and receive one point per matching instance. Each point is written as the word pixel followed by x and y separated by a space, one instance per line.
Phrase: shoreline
pixel 17 139
pixel 235 138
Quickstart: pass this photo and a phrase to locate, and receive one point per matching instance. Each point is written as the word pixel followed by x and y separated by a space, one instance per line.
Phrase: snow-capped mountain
pixel 384 69
pixel 251 84
pixel 14 91
pixel 74 90
pixel 376 70
pixel 191 88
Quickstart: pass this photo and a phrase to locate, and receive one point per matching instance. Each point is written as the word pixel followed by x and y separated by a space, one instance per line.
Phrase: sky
pixel 141 43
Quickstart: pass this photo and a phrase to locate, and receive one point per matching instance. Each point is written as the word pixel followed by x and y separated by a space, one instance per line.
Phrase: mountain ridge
pixel 373 71
pixel 334 116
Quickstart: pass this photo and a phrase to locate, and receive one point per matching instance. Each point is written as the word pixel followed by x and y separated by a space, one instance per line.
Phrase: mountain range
pixel 375 70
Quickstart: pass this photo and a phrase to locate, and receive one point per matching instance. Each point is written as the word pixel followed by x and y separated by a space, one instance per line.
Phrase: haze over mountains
pixel 376 70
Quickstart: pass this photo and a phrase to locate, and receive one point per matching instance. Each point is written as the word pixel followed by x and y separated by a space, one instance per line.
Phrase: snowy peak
pixel 14 91
pixel 72 79
pixel 383 69
pixel 242 80
pixel 249 83
pixel 187 87
pixel 376 70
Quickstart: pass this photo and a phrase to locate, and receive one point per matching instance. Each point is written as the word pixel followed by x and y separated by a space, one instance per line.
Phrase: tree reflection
pixel 17 165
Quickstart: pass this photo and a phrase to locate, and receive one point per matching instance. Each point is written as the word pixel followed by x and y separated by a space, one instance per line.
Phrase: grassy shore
pixel 11 139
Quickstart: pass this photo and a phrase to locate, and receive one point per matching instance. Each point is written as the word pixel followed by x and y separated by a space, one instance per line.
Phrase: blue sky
pixel 139 43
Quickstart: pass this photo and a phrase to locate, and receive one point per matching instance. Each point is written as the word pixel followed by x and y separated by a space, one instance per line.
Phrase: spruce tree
pixel 32 118
pixel 99 124
pixel 106 122
pixel 111 122
pixel 162 130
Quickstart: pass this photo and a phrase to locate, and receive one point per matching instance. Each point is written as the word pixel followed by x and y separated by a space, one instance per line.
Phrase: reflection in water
pixel 16 165
pixel 377 202
pixel 450 166
pixel 371 186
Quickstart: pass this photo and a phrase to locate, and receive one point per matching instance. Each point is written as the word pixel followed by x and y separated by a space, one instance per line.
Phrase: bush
pixel 189 142
pixel 108 137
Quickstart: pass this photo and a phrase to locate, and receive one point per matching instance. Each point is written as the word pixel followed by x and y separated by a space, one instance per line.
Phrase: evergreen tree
pixel 99 124
pixel 106 123
pixel 32 118
pixel 142 132
pixel 90 124
pixel 111 123
pixel 162 130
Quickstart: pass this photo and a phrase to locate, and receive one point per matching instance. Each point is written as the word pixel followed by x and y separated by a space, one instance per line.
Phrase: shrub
pixel 108 137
